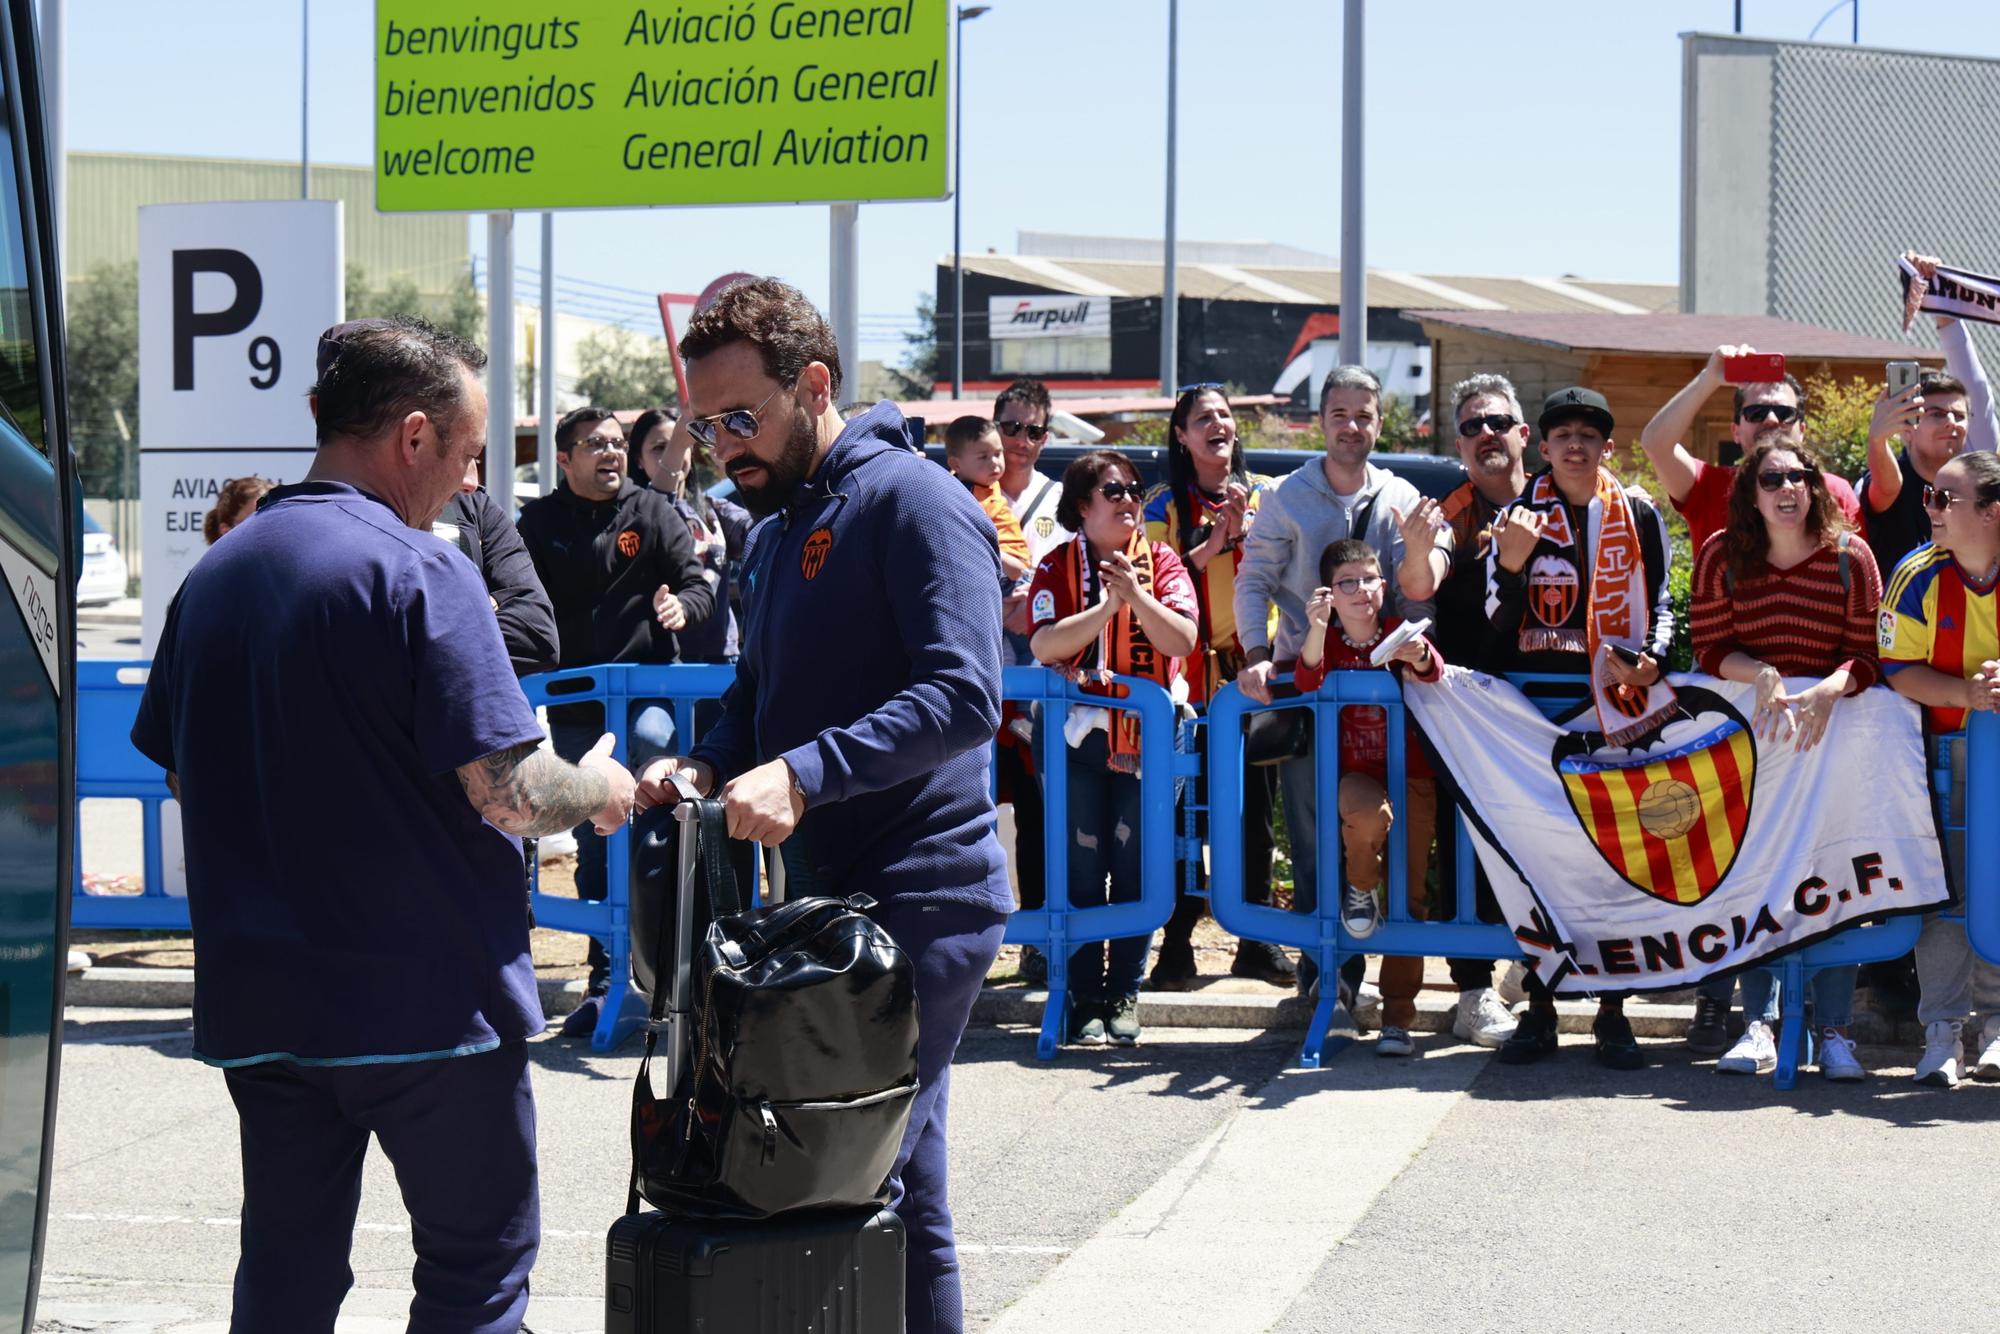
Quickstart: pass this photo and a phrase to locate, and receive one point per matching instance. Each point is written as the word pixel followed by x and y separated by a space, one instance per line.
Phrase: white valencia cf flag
pixel 1696 848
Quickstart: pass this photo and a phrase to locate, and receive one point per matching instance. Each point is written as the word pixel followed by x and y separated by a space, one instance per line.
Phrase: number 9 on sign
pixel 266 360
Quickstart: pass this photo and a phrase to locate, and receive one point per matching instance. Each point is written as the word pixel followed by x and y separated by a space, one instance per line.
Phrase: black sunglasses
pixel 1758 412
pixel 739 422
pixel 1938 499
pixel 1776 479
pixel 1497 422
pixel 1036 434
pixel 1117 491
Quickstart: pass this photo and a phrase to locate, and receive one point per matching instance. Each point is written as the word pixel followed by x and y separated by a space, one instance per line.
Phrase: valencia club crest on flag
pixel 1668 814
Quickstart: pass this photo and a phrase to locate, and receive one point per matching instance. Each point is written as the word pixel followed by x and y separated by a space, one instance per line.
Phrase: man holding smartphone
pixel 1763 410
pixel 1931 416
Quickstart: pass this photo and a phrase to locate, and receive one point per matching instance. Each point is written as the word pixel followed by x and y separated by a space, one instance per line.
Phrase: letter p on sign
pixel 190 324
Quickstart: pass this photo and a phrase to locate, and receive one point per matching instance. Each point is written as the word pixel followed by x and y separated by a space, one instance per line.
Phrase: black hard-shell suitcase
pixel 832 1272
pixel 808 1273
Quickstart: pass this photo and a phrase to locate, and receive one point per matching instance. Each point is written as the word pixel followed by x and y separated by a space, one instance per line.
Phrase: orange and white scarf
pixel 1615 613
pixel 1122 647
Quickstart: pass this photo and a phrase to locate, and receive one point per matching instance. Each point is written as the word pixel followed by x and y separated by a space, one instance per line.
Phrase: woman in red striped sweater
pixel 1763 611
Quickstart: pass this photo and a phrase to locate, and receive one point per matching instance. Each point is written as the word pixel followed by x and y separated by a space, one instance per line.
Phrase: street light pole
pixel 1353 253
pixel 965 12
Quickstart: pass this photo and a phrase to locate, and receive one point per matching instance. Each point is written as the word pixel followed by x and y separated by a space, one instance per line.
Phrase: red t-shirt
pixel 1050 600
pixel 1706 508
pixel 1364 728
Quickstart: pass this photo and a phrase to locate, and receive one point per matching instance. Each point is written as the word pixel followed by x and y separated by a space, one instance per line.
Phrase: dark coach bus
pixel 40 552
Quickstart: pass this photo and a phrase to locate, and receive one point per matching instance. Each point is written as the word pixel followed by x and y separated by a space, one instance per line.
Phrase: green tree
pixel 101 325
pixel 458 308
pixel 618 369
pixel 1837 417
pixel 917 377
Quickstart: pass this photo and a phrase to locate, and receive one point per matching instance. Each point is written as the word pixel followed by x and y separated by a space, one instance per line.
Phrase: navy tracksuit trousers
pixel 951 946
pixel 460 1133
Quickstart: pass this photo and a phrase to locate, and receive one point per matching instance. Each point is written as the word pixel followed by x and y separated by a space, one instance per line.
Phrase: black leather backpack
pixel 804 1060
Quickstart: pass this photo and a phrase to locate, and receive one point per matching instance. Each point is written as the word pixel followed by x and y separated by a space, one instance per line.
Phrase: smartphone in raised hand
pixel 1902 375
pixel 1754 368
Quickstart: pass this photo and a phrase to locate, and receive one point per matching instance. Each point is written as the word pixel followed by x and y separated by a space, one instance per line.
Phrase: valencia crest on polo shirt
pixel 812 556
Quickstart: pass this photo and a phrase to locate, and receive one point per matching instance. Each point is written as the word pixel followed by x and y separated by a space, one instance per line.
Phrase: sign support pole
pixel 844 273
pixel 545 417
pixel 500 360
pixel 1170 309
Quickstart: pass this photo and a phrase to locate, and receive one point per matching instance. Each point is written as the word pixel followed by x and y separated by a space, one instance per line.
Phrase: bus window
pixel 37 673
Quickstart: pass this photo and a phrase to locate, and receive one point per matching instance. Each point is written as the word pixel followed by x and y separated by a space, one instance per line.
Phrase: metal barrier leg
pixel 1316 1046
pixel 1055 1012
pixel 1792 1013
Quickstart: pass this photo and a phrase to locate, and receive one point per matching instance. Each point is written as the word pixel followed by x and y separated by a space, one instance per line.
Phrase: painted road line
pixel 1256 1207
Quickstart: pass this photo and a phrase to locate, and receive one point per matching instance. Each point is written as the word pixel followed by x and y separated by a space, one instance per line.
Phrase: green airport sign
pixel 517 104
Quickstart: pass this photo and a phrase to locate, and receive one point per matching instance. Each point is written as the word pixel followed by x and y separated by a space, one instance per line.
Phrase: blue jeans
pixel 1104 842
pixel 1832 996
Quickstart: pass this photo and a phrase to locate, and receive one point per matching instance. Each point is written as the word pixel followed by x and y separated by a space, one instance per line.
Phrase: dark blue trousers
pixel 952 946
pixel 461 1135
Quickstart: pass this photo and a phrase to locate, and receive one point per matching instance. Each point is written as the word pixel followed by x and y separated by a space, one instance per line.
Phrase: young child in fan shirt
pixel 1344 622
pixel 972 452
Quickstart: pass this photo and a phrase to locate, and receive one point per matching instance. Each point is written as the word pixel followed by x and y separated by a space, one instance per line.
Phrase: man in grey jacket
pixel 1346 496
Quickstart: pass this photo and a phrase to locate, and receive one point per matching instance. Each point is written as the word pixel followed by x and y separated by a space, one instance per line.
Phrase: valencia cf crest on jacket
pixel 812 556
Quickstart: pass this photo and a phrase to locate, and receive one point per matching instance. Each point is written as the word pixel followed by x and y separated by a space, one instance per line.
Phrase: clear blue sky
pixel 1504 136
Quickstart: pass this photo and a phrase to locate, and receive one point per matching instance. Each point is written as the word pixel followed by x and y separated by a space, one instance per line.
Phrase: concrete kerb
pixel 173 988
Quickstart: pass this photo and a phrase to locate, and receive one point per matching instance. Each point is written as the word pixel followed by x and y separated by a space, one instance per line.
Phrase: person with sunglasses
pixel 1939 638
pixel 621 570
pixel 1932 418
pixel 1492 437
pixel 1108 602
pixel 1762 610
pixel 1203 512
pixel 1021 414
pixel 1700 490
pixel 855 736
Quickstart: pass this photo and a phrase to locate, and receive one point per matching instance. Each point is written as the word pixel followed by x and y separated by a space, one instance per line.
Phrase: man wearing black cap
pixel 1580 561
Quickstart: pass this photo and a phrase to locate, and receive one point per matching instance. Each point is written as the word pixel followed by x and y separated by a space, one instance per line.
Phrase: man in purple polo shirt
pixel 355 762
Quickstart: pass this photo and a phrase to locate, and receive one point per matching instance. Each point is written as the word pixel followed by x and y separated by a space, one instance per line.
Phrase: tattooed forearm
pixel 529 792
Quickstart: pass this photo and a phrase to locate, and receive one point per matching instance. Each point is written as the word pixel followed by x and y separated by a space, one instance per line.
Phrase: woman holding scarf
pixel 1577 584
pixel 1108 602
pixel 1762 607
pixel 1203 512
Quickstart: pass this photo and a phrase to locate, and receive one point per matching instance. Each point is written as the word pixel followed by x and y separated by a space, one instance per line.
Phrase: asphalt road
pixel 1190 1183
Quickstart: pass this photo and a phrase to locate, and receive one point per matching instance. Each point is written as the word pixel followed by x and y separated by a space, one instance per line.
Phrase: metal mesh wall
pixel 1873 152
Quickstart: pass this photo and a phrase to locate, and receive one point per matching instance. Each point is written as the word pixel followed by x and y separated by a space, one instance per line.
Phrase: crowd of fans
pixel 1215 575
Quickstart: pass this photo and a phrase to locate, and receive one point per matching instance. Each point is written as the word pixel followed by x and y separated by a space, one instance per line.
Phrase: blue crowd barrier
pixel 108 765
pixel 1057 928
pixel 1982 837
pixel 1321 934
pixel 617 687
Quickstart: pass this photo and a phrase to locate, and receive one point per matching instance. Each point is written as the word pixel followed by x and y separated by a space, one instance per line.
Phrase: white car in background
pixel 104 574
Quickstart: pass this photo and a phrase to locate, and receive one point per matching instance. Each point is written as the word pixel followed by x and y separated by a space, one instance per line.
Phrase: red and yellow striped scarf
pixel 1122 648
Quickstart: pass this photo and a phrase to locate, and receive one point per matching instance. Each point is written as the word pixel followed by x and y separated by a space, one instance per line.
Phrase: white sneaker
pixel 1359 913
pixel 1512 991
pixel 1394 1042
pixel 1481 1019
pixel 1944 1054
pixel 1837 1060
pixel 1755 1053
pixel 1987 1068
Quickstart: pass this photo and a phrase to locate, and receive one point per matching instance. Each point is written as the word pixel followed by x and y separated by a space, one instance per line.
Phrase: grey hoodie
pixel 1293 526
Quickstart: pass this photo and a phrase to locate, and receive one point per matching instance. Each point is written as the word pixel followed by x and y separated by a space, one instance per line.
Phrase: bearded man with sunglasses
pixel 855 735
pixel 1772 411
